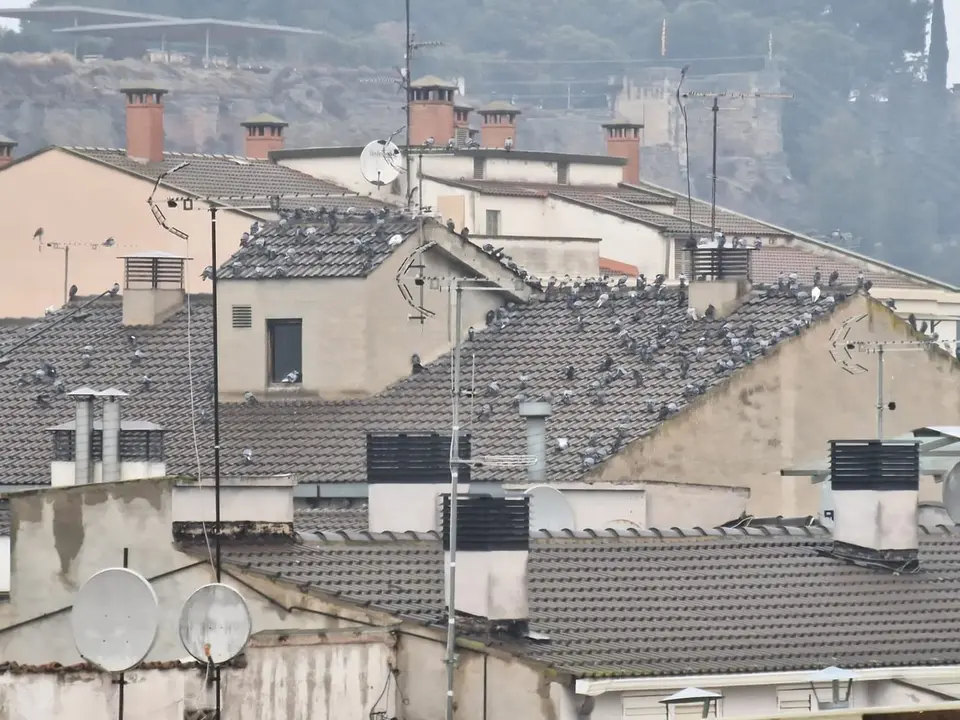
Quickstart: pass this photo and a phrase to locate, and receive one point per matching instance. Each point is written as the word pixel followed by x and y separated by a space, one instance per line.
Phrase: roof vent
pixel 875 495
pixel 153 287
pixel 719 278
pixel 405 474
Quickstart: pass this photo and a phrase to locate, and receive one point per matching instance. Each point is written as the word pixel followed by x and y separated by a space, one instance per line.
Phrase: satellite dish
pixel 115 618
pixel 951 493
pixel 215 624
pixel 380 162
pixel 549 509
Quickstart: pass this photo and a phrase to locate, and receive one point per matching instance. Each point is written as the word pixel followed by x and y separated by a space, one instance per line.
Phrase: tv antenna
pixel 458 285
pixel 715 109
pixel 550 510
pixel 215 627
pixel 115 618
pixel 65 247
pixel 842 349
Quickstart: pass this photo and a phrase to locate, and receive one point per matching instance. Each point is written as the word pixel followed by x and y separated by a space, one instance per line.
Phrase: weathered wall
pixel 783 410
pixel 81 203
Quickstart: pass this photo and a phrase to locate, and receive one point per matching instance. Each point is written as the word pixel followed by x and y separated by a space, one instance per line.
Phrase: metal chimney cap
pixel 535 409
pixel 83 391
pixel 112 393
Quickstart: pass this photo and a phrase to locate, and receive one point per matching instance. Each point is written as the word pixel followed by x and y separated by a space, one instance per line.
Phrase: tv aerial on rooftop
pixel 380 162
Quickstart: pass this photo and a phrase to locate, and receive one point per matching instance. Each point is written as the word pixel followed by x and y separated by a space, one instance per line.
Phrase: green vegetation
pixel 880 167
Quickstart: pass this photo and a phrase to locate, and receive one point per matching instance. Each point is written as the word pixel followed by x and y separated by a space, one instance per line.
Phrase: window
pixel 493 223
pixel 242 316
pixel 563 173
pixel 478 168
pixel 285 351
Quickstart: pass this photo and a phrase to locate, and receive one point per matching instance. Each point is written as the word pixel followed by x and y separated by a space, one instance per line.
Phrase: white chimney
pixel 83 436
pixel 110 443
pixel 406 474
pixel 875 488
pixel 153 287
pixel 536 414
pixel 254 505
pixel 493 547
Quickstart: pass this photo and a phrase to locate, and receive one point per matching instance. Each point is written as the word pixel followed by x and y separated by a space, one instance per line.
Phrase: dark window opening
pixel 478 168
pixel 285 351
pixel 493 223
pixel 563 173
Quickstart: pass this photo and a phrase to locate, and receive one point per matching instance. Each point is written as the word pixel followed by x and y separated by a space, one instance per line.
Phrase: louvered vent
pixel 242 316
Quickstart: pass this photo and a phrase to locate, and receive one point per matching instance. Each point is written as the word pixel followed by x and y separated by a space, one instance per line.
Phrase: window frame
pixel 273 376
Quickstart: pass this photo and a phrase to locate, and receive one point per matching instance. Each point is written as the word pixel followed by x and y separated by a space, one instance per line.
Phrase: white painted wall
pixel 4 564
pixel 546 257
pixel 63 472
pixel 264 500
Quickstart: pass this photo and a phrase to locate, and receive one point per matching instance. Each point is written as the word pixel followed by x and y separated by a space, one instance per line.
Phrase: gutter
pixel 601 686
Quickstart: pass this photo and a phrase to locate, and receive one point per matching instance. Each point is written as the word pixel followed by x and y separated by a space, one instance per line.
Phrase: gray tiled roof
pixel 312 243
pixel 527 353
pixel 24 420
pixel 4 517
pixel 331 518
pixel 232 176
pixel 768 262
pixel 746 601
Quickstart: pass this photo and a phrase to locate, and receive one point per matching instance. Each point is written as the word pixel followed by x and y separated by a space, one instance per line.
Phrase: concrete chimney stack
pixel 431 110
pixel 406 473
pixel 153 287
pixel 493 548
pixel 536 414
pixel 111 434
pixel 145 124
pixel 623 141
pixel 498 128
pixel 83 436
pixel 6 151
pixel 875 487
pixel 264 134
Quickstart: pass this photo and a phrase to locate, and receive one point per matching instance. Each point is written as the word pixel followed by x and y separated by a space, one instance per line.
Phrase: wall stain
pixel 68 531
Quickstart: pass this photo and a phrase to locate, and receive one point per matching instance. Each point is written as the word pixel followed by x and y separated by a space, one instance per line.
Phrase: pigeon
pixel 429 142
pixel 73 292
pixel 815 293
pixel 109 242
pixel 114 290
pixel 38 234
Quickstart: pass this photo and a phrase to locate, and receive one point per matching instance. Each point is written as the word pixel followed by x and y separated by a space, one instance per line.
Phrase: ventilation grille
pixel 719 263
pixel 242 316
pixel 488 523
pixel 874 465
pixel 413 458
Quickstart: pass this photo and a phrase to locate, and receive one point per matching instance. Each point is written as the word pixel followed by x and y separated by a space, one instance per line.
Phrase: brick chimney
pixel 6 151
pixel 431 110
pixel 461 121
pixel 145 124
pixel 264 134
pixel 623 140
pixel 499 126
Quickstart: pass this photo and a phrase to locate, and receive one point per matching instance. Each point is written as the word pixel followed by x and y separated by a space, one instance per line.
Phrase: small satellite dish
pixel 380 162
pixel 115 618
pixel 951 493
pixel 549 509
pixel 215 624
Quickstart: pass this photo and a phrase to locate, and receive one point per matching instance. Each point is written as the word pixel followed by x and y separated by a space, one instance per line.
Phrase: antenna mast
pixel 715 109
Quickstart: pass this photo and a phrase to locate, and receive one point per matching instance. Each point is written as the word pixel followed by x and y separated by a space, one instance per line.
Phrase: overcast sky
pixel 952 8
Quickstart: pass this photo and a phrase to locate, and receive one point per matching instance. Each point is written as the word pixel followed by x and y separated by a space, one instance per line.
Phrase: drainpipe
pixel 111 434
pixel 536 414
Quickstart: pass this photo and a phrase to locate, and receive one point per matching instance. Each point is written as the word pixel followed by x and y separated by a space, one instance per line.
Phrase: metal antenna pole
pixel 880 392
pixel 407 90
pixel 66 274
pixel 454 477
pixel 713 177
pixel 123 677
pixel 216 426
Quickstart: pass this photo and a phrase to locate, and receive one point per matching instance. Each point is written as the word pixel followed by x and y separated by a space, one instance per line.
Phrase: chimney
pixel 264 135
pixel 83 436
pixel 499 125
pixel 718 277
pixel 406 472
pixel 250 506
pixel 875 497
pixel 536 414
pixel 153 287
pixel 431 110
pixel 493 546
pixel 461 122
pixel 110 443
pixel 6 151
pixel 145 124
pixel 623 141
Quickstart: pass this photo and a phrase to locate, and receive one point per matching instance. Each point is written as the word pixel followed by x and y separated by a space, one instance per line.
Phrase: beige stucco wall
pixel 546 257
pixel 80 202
pixel 783 410
pixel 357 333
